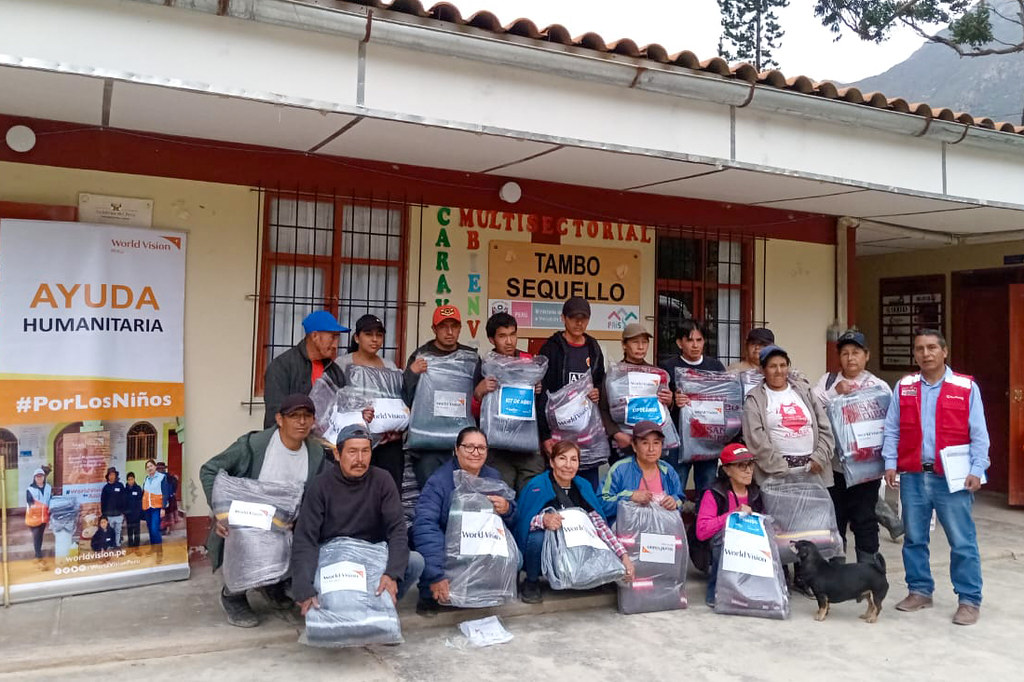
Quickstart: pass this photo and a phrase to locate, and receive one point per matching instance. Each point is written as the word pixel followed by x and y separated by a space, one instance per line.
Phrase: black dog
pixel 840 582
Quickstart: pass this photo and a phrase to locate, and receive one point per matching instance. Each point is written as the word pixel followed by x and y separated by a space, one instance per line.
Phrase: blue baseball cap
pixel 769 351
pixel 852 336
pixel 322 321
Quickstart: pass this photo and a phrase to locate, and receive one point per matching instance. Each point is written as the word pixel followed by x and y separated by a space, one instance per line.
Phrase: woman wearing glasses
pixel 431 520
pixel 733 490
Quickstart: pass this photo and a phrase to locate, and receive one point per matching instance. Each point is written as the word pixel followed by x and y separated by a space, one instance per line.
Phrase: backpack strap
pixel 832 376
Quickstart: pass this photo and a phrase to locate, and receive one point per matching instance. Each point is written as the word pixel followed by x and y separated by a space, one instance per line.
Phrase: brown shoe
pixel 966 615
pixel 914 602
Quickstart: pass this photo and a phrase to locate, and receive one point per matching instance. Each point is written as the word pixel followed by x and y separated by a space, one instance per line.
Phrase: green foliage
pixel 751 31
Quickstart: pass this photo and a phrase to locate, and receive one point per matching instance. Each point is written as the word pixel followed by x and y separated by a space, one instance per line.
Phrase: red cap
pixel 735 452
pixel 446 312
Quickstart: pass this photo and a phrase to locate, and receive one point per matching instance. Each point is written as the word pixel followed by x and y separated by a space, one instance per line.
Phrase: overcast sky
pixel 807 47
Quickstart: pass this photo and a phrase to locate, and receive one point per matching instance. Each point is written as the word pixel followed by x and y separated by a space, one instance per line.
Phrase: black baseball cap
pixel 296 402
pixel 576 305
pixel 761 335
pixel 369 323
pixel 352 431
pixel 852 336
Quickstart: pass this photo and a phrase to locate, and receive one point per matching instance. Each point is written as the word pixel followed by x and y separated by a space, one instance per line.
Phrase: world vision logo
pixel 122 245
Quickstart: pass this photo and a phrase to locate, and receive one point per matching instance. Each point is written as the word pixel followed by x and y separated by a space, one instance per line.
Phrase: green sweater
pixel 244 459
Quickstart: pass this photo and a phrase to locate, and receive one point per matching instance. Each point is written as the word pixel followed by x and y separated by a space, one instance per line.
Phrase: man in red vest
pixel 935 414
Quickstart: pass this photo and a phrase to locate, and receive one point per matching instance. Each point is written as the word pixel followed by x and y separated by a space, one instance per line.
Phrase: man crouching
pixel 353 500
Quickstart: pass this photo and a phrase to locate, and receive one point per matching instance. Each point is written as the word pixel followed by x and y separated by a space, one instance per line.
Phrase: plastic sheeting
pixel 508 415
pixel 857 419
pixel 259 515
pixel 751 379
pixel 574 557
pixel 656 541
pixel 382 388
pixel 713 417
pixel 802 510
pixel 481 557
pixel 749 582
pixel 440 408
pixel 350 614
pixel 632 392
pixel 336 408
pixel 574 417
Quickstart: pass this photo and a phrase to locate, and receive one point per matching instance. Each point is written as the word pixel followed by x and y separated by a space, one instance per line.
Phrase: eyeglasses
pixel 479 449
pixel 744 466
pixel 300 416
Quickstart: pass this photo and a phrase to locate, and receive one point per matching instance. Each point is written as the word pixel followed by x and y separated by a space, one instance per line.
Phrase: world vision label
pixel 91 379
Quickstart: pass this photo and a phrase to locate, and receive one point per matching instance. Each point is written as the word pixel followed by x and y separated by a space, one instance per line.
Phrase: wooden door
pixel 1015 482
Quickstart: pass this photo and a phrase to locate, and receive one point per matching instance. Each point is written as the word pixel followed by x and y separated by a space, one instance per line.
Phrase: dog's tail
pixel 879 563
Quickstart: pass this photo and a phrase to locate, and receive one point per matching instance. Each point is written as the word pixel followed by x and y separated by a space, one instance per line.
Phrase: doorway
pixel 982 337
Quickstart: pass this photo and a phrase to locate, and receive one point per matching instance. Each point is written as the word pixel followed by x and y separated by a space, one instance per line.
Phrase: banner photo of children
pixel 91 406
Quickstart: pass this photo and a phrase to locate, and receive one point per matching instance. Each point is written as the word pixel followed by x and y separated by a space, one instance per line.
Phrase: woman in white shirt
pixel 784 425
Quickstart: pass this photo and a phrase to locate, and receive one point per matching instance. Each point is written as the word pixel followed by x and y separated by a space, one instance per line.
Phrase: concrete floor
pixel 176 631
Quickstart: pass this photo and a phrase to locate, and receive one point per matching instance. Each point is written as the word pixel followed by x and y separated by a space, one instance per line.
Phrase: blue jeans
pixel 115 523
pixel 412 574
pixel 152 517
pixel 531 554
pixel 703 475
pixel 920 494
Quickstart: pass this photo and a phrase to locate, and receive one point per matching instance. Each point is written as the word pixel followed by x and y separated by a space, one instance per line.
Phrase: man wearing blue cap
pixel 298 368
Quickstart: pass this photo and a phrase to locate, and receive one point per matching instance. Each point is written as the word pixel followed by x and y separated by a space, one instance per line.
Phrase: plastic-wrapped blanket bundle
pixel 751 379
pixel 440 408
pixel 64 513
pixel 350 614
pixel 336 407
pixel 573 416
pixel 632 392
pixel 857 419
pixel 713 416
pixel 750 578
pixel 382 388
pixel 259 515
pixel 508 415
pixel 802 510
pixel 656 541
pixel 574 557
pixel 481 557
pixel 323 395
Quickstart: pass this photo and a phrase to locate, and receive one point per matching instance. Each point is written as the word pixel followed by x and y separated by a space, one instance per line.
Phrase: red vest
pixel 952 426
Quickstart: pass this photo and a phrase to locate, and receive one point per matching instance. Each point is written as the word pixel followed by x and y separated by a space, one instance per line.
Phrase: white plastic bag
pixel 259 515
pixel 383 389
pixel 857 419
pixel 573 416
pixel 481 557
pixel 350 614
pixel 508 415
pixel 441 406
pixel 656 541
pixel 632 392
pixel 713 417
pixel 750 578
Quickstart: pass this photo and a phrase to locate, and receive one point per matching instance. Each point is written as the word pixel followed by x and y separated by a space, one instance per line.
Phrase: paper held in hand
pixel 956 464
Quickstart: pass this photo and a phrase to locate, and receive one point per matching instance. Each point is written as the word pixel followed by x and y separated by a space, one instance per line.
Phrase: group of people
pixel 124 505
pixel 352 486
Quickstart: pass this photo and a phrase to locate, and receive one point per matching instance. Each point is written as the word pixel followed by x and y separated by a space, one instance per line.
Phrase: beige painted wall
pixel 221 221
pixel 945 261
pixel 799 291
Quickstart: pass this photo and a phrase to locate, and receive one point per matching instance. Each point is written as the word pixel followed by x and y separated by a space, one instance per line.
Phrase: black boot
pixel 887 519
pixel 237 608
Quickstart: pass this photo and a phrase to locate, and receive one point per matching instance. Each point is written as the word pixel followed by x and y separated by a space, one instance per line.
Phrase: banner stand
pixel 3 530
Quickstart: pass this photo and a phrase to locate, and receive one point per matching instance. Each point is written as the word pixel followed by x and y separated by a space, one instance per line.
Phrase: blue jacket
pixel 431 520
pixel 538 494
pixel 624 479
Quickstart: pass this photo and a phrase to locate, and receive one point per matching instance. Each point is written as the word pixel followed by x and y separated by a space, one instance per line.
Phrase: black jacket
pixel 133 503
pixel 555 350
pixel 292 372
pixel 103 539
pixel 410 380
pixel 368 508
pixel 114 499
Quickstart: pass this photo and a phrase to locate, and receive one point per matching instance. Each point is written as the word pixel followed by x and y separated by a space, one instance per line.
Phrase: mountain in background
pixel 991 86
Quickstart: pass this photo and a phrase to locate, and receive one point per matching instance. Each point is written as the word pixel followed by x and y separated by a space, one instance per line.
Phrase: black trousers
pixel 37 539
pixel 134 529
pixel 391 458
pixel 855 509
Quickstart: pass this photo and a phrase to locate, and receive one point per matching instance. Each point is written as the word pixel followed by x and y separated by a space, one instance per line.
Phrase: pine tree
pixel 751 31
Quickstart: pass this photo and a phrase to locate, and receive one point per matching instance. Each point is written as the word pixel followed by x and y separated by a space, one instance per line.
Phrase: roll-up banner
pixel 91 405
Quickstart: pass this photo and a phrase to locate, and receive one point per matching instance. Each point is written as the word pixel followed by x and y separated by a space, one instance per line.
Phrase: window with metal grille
pixel 708 277
pixel 329 253
pixel 9 448
pixel 141 442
